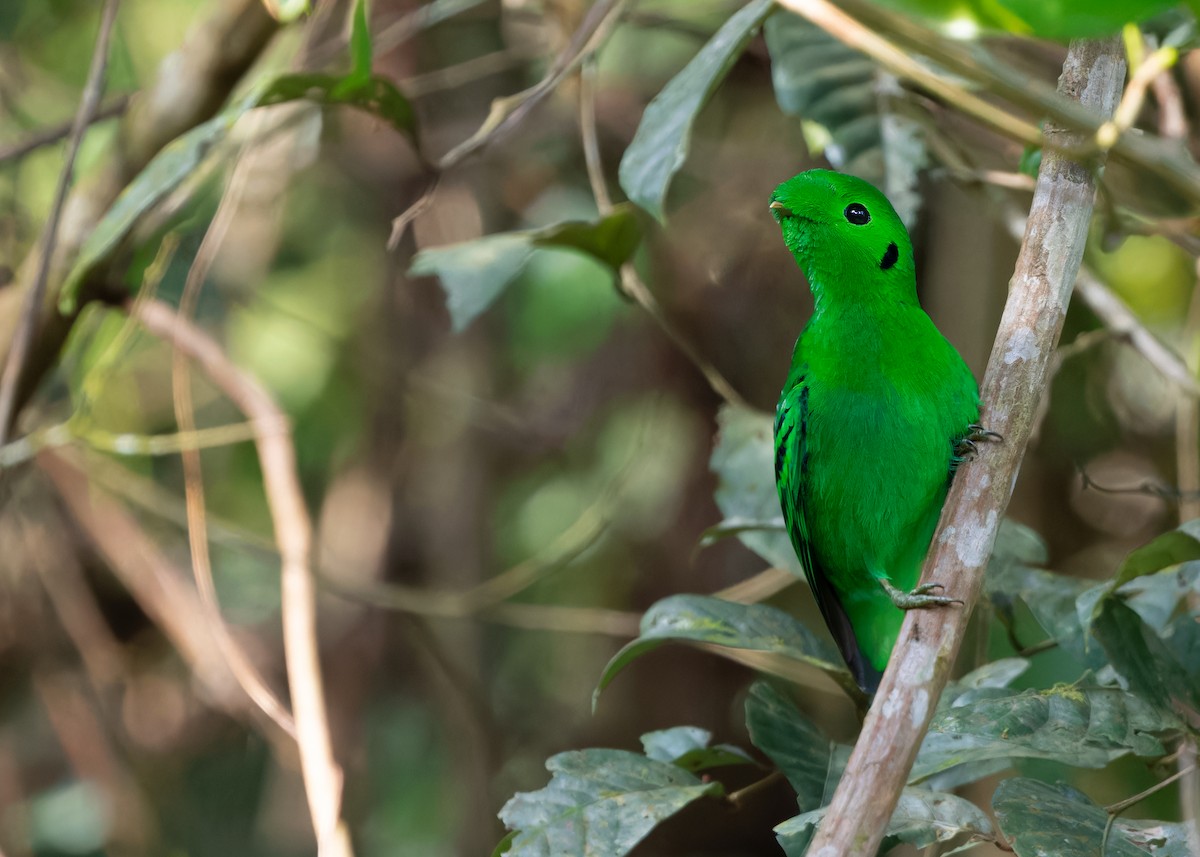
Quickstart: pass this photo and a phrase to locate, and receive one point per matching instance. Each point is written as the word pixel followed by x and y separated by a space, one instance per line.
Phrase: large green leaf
pixel 1147 664
pixel 182 156
pixel 706 621
pixel 921 818
pixel 599 803
pixel 660 145
pixel 744 462
pixel 474 273
pixel 1083 726
pixel 1041 819
pixel 1170 549
pixel 1048 19
pixel 842 93
pixel 688 747
pixel 790 740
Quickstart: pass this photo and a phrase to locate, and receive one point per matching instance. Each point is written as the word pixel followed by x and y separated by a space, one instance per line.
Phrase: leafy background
pixel 484 403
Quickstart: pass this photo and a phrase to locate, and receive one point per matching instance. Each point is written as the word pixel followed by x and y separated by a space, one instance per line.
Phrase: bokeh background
pixel 562 432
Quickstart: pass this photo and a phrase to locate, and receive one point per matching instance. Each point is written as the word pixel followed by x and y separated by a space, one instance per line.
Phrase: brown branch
pixel 1033 315
pixel 22 341
pixel 55 133
pixel 293 534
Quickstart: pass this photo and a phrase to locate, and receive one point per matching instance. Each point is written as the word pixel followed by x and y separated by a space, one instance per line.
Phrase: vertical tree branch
pixel 1033 316
pixel 293 534
pixel 22 340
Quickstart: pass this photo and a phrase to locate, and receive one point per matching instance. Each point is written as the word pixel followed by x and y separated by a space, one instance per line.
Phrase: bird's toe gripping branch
pixel 966 447
pixel 919 598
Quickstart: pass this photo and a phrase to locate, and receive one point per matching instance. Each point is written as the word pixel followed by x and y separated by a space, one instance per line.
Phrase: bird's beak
pixel 779 207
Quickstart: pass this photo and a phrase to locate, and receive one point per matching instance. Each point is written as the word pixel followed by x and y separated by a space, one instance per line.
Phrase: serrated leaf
pixel 688 747
pixel 744 462
pixel 1083 726
pixel 182 156
pixel 703 620
pixel 474 273
pixel 1146 663
pixel 1043 819
pixel 790 740
pixel 1170 549
pixel 600 803
pixel 827 83
pixel 661 143
pixel 921 818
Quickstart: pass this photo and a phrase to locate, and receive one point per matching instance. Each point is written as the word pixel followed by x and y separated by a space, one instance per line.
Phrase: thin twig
pixel 293 533
pixel 929 640
pixel 631 283
pixel 1122 805
pixel 193 477
pixel 55 133
pixel 18 353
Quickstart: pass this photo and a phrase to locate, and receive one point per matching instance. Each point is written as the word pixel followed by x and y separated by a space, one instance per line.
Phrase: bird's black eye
pixel 857 213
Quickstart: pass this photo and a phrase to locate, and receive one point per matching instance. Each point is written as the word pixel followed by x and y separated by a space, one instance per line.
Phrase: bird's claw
pixel 966 447
pixel 919 598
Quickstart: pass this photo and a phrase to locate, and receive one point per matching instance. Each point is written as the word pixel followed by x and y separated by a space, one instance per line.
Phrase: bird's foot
pixel 966 447
pixel 919 598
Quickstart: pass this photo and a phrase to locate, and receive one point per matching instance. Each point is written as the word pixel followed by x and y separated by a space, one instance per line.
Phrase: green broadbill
pixel 877 411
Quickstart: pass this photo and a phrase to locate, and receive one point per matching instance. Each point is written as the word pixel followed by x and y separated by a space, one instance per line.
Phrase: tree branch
pixel 1033 316
pixel 293 534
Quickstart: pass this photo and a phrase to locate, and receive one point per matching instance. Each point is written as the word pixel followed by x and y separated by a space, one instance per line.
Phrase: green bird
pixel 877 411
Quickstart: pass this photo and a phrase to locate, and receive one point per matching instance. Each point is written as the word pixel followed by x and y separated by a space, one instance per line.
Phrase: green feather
pixel 868 421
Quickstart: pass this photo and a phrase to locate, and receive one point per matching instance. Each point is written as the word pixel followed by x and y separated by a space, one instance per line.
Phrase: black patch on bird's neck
pixel 890 256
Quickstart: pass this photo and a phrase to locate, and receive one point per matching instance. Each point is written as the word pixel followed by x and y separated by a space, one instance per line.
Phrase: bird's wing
pixel 791 465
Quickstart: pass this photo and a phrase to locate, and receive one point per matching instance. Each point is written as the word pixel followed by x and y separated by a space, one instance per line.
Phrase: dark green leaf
pixel 1082 726
pixel 474 273
pixel 1047 19
pixel 744 462
pixel 1169 549
pixel 790 740
pixel 921 818
pixel 1146 663
pixel 1041 819
pixel 688 747
pixel 599 802
pixel 660 145
pixel 699 619
pixel 842 92
pixel 376 95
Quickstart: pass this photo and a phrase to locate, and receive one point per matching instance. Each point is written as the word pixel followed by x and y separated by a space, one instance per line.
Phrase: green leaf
pixel 1042 818
pixel 702 620
pixel 744 462
pixel 1047 19
pixel 474 273
pixel 360 47
pixel 600 803
pixel 1170 549
pixel 688 748
pixel 790 740
pixel 921 818
pixel 660 145
pixel 182 156
pixel 1148 666
pixel 845 95
pixel 1083 726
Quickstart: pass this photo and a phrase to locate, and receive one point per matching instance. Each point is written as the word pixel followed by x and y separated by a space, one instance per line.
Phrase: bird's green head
pixel 846 236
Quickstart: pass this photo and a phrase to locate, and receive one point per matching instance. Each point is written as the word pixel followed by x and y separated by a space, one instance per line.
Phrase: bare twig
pixel 49 136
pixel 181 385
pixel 293 533
pixel 1032 321
pixel 22 341
pixel 632 284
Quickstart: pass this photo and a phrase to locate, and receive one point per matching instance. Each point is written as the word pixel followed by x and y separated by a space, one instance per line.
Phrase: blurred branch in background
pixel 48 136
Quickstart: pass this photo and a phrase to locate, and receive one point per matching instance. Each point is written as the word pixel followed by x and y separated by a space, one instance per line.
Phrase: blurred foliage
pixel 521 484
